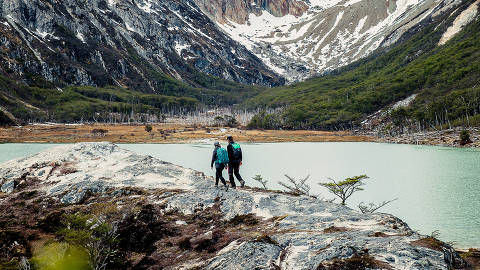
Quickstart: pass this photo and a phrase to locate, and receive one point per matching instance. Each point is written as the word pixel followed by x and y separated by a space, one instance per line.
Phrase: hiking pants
pixel 219 175
pixel 234 168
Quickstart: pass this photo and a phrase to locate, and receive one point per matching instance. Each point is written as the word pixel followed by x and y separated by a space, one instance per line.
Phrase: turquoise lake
pixel 438 188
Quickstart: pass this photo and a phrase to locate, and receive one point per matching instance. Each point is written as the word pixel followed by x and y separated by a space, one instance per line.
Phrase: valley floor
pixel 187 133
pixel 163 133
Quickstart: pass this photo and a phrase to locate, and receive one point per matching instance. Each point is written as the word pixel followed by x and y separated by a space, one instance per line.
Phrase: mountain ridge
pixel 122 43
pixel 327 35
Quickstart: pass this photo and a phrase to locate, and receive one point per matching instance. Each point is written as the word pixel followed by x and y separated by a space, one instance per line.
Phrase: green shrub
pixel 148 128
pixel 465 137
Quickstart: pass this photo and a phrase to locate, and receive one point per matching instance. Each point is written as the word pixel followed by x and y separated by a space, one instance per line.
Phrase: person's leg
pixel 217 176
pixel 236 170
pixel 230 175
pixel 220 175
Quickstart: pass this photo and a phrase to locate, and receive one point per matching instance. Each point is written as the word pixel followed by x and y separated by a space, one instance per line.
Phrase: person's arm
pixel 241 155
pixel 214 157
pixel 230 152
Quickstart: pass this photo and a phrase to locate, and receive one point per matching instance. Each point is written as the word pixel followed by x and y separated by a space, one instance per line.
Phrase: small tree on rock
pixel 296 186
pixel 372 207
pixel 344 189
pixel 259 179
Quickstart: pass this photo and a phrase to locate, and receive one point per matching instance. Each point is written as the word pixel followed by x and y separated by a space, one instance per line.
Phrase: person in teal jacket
pixel 220 159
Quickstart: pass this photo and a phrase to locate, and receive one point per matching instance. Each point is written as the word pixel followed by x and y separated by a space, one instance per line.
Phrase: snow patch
pixel 467 16
pixel 80 37
pixel 404 102
pixel 129 28
pixel 180 47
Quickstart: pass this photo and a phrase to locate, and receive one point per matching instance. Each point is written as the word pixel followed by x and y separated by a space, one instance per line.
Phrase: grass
pixel 163 133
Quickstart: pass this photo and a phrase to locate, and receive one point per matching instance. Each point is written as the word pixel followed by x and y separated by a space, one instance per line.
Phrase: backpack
pixel 222 156
pixel 237 151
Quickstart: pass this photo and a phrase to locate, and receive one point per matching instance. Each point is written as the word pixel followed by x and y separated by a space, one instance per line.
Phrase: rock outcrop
pixel 171 217
pixel 238 11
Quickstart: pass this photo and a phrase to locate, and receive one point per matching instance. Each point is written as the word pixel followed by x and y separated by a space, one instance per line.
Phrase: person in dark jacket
pixel 218 166
pixel 235 161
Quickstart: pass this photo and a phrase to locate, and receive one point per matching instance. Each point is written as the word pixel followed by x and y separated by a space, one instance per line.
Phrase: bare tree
pixel 102 249
pixel 371 207
pixel 296 186
pixel 24 264
pixel 344 189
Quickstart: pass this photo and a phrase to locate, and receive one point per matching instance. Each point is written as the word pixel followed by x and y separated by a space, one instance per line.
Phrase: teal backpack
pixel 236 150
pixel 222 156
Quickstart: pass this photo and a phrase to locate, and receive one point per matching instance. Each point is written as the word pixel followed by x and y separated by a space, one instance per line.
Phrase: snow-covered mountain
pixel 130 43
pixel 302 38
pixel 133 43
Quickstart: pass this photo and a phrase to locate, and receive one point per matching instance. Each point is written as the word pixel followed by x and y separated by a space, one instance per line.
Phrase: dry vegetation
pixel 163 133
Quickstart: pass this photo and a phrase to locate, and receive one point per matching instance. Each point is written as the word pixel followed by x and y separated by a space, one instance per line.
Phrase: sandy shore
pixel 163 133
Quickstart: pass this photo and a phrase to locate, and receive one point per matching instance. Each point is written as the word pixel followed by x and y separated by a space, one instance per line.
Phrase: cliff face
pixel 238 10
pixel 119 42
pixel 170 217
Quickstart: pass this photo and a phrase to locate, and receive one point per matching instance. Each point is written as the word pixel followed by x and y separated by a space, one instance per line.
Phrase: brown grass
pixel 164 133
pixel 334 229
pixel 428 242
pixel 472 257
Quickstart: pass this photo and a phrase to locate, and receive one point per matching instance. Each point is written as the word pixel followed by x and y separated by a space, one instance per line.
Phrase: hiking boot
pixel 242 183
pixel 216 186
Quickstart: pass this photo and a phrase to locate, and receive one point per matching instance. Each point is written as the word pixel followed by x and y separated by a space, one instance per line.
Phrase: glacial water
pixel 438 188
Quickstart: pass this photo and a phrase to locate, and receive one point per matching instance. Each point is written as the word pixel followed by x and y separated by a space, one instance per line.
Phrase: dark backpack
pixel 237 151
pixel 222 156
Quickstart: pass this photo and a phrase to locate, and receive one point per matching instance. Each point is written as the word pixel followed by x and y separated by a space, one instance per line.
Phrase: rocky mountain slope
pixel 165 216
pixel 301 39
pixel 433 71
pixel 134 44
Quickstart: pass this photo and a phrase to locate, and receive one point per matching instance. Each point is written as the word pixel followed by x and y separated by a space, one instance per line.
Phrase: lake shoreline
pixel 179 133
pixel 40 188
pixel 447 138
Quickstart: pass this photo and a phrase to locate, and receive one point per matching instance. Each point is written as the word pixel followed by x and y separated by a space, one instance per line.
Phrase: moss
pixel 265 238
pixel 248 219
pixel 472 257
pixel 185 243
pixel 11 265
pixel 334 229
pixel 357 262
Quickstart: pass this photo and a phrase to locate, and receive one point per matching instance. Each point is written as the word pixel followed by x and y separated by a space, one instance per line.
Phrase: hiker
pixel 235 161
pixel 220 158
